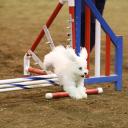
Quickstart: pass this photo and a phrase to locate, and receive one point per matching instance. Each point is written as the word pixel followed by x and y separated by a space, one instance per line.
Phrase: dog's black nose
pixel 85 73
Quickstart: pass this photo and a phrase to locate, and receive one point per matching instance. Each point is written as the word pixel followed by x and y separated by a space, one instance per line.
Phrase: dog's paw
pixel 76 96
pixel 82 91
pixel 73 92
pixel 84 95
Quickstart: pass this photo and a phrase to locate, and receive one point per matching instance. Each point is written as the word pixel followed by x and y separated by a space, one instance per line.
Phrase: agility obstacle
pixel 64 94
pixel 37 82
pixel 116 40
pixel 28 82
pixel 75 13
pixel 75 9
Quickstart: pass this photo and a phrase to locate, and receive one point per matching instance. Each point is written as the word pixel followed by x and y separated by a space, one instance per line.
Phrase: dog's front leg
pixel 70 87
pixel 82 90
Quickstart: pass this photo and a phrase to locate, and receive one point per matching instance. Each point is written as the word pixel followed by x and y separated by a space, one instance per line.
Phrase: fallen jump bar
pixel 65 94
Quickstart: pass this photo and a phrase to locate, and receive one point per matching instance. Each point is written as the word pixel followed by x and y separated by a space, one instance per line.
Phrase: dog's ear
pixel 71 53
pixel 83 53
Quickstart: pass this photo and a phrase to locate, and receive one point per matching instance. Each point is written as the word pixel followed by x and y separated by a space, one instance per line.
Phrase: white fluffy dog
pixel 70 69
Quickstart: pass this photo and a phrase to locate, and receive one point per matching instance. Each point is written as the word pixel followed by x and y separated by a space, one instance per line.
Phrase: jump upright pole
pixel 107 57
pixel 87 33
pixel 97 47
pixel 71 4
pixel 78 24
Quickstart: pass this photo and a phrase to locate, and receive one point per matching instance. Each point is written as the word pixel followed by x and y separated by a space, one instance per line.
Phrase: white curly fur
pixel 70 69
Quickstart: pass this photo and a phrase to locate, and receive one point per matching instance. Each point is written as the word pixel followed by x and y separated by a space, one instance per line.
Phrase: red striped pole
pixel 107 56
pixel 65 94
pixel 48 23
pixel 87 33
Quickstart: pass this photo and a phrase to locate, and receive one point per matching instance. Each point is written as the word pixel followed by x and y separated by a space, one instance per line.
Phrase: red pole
pixel 72 13
pixel 36 71
pixel 48 23
pixel 107 56
pixel 87 33
pixel 65 94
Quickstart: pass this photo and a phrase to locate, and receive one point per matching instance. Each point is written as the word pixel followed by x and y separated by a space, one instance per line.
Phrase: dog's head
pixel 78 63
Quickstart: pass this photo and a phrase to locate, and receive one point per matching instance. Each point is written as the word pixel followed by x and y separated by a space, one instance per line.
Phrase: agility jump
pixel 75 8
pixel 75 40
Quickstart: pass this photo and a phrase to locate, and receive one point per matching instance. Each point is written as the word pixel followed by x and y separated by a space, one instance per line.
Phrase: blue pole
pixel 118 63
pixel 78 21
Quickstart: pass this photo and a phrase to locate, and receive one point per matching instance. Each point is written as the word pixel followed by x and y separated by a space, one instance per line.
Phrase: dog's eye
pixel 80 68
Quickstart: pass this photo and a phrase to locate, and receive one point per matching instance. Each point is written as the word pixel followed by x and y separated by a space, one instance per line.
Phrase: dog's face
pixel 80 67
pixel 79 63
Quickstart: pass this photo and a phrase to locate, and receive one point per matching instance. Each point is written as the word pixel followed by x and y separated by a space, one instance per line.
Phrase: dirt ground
pixel 20 23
